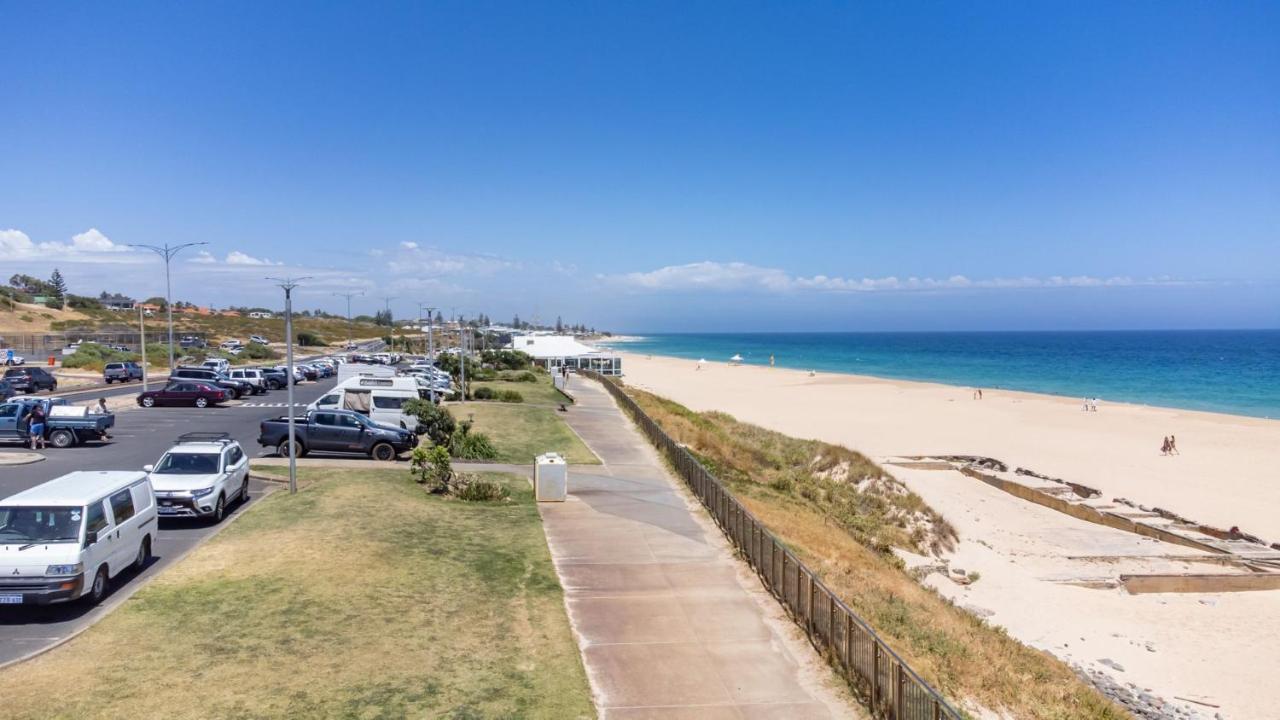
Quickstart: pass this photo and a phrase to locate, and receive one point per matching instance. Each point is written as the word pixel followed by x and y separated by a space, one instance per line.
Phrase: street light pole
pixel 142 340
pixel 168 254
pixel 348 296
pixel 288 284
pixel 391 325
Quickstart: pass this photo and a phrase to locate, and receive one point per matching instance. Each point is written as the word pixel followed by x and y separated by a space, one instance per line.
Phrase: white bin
pixel 550 478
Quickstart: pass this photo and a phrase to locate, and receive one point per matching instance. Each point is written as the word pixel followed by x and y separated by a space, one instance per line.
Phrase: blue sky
pixel 660 166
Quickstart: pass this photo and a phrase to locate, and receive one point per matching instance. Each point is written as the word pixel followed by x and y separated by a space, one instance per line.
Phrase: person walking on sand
pixel 1173 446
pixel 1164 447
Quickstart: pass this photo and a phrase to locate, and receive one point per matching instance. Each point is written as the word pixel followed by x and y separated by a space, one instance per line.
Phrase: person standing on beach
pixel 1164 447
pixel 770 359
pixel 1173 446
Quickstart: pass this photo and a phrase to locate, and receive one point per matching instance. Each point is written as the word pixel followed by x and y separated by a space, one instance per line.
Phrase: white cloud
pixel 204 257
pixel 719 276
pixel 88 246
pixel 235 257
pixel 432 262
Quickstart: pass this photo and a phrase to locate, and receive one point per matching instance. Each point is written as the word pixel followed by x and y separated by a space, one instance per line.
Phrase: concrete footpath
pixel 670 623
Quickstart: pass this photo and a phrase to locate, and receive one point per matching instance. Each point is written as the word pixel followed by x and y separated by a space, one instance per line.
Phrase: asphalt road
pixel 140 437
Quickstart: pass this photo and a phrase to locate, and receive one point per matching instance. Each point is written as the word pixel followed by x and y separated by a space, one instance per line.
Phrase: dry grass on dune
pixel 802 489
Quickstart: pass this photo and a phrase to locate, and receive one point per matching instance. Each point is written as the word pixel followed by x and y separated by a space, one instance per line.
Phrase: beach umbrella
pixel 736 359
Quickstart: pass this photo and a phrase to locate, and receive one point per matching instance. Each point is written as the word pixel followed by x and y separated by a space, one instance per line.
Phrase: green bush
pixel 434 422
pixel 483 393
pixel 510 396
pixel 506 359
pixel 254 351
pixel 54 303
pixel 526 376
pixel 431 468
pixel 469 445
pixel 476 489
pixel 310 339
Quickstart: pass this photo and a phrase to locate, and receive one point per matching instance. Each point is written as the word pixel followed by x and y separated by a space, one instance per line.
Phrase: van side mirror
pixel 148 468
pixel 90 538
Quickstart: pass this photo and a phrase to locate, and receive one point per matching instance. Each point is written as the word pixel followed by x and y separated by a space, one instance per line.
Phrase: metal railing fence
pixel 891 689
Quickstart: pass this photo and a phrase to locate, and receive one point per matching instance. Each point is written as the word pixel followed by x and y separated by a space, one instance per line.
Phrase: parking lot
pixel 140 437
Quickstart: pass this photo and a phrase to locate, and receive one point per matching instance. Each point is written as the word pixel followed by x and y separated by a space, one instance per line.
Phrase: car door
pixel 97 520
pixel 9 421
pixel 322 432
pixel 124 534
pixel 349 433
pixel 239 466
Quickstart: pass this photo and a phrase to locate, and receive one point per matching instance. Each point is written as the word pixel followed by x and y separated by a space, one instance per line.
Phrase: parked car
pixel 379 398
pixel 121 372
pixel 6 390
pixel 185 392
pixel 30 379
pixel 217 365
pixel 259 340
pixel 66 539
pixel 191 341
pixel 237 388
pixel 275 378
pixel 9 357
pixel 200 476
pixel 308 372
pixel 338 431
pixel 65 424
pixel 253 376
pixel 229 344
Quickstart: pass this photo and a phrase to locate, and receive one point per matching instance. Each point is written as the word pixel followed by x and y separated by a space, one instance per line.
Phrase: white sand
pixel 1228 473
pixel 1221 648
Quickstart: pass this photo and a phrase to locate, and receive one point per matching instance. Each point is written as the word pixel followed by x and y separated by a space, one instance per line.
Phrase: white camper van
pixel 380 398
pixel 67 538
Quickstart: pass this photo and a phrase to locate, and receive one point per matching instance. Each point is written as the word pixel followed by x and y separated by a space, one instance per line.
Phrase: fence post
pixel 875 676
pixel 898 679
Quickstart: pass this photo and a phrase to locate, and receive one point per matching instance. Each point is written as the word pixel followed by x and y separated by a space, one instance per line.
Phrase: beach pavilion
pixel 556 351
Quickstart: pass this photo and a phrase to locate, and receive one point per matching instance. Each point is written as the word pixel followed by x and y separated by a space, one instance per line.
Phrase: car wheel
pixel 298 449
pixel 144 554
pixel 148 402
pixel 202 402
pixel 383 452
pixel 108 380
pixel 220 510
pixel 98 589
pixel 54 386
pixel 61 438
pixel 244 491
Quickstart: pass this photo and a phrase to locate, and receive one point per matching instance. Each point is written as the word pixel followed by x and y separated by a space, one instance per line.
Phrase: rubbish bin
pixel 550 478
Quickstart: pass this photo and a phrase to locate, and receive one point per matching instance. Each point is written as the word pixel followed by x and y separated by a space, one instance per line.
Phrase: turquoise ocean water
pixel 1230 371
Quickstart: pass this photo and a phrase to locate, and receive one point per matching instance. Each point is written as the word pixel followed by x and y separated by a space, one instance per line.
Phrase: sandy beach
pixel 1228 473
pixel 1215 648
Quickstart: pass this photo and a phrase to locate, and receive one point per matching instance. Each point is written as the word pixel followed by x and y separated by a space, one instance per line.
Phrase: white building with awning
pixel 556 351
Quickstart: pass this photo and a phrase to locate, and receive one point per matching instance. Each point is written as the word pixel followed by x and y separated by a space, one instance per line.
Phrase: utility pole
pixel 168 253
pixel 462 362
pixel 348 296
pixel 288 284
pixel 142 340
pixel 431 340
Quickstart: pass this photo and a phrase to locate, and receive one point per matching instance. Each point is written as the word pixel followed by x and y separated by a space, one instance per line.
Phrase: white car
pixel 67 538
pixel 219 365
pixel 200 476
pixel 15 360
pixel 259 340
pixel 230 344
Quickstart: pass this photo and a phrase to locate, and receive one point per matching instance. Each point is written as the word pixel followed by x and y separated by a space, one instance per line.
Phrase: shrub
pixel 467 445
pixel 254 351
pixel 431 468
pixel 506 359
pixel 476 489
pixel 54 303
pixel 26 318
pixel 434 422
pixel 484 393
pixel 310 339
pixel 527 377
pixel 510 396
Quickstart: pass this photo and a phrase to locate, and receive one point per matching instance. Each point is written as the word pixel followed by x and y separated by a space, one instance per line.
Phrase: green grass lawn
pixel 360 597
pixel 521 432
pixel 539 393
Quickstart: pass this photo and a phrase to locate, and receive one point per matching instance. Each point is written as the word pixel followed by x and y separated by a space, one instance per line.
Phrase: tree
pixel 59 287
pixel 382 317
pixel 439 318
pixel 157 301
pixel 515 322
pixel 559 325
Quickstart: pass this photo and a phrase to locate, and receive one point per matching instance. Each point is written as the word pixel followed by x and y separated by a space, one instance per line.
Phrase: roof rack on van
pixel 204 437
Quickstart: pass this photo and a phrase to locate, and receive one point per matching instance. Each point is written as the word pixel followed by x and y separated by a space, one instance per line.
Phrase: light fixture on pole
pixel 348 296
pixel 288 284
pixel 168 253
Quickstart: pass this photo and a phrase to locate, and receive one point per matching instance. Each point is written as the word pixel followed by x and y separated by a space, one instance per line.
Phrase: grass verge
pixel 362 596
pixel 521 432
pixel 541 392
pixel 789 484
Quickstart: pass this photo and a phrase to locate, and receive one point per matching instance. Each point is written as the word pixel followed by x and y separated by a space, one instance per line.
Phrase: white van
pixel 380 398
pixel 67 538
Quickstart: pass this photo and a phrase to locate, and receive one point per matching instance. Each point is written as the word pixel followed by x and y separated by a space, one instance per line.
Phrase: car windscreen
pixel 23 525
pixel 188 464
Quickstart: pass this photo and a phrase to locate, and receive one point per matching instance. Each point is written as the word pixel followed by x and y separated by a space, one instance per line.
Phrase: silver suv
pixel 121 372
